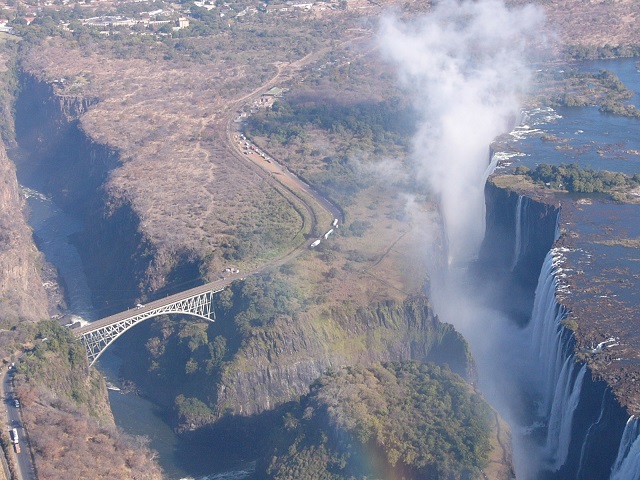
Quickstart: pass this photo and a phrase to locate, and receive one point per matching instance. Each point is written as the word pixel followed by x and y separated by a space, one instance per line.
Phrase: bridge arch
pixel 99 335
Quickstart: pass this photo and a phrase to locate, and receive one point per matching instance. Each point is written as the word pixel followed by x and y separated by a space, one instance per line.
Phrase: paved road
pixel 14 420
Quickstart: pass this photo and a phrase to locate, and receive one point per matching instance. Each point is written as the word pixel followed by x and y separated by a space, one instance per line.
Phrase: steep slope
pixel 21 290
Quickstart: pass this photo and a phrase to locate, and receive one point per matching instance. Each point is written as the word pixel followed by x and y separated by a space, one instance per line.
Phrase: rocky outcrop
pixel 48 129
pixel 112 246
pixel 22 295
pixel 520 230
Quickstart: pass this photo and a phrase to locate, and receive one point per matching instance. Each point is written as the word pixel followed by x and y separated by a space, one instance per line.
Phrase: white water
pixel 522 237
pixel 627 464
pixel 588 435
pixel 561 380
pixel 560 377
pixel 565 402
pixel 235 475
pixel 545 332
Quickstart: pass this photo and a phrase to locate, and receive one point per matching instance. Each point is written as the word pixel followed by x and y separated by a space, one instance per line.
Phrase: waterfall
pixel 561 378
pixel 565 402
pixel 522 233
pixel 587 436
pixel 546 332
pixel 627 464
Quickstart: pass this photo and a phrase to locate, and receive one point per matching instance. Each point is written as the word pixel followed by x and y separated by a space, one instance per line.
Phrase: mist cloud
pixel 465 65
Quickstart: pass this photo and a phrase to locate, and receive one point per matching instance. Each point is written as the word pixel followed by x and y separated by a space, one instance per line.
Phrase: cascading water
pixel 565 401
pixel 522 224
pixel 546 332
pixel 627 464
pixel 606 392
pixel 561 378
pixel 561 381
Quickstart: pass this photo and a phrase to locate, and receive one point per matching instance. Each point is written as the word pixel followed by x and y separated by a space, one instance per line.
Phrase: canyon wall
pixel 63 162
pixel 582 422
pixel 272 365
pixel 21 288
pixel 278 364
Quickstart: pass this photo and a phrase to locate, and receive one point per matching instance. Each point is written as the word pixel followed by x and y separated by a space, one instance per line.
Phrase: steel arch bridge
pixel 99 335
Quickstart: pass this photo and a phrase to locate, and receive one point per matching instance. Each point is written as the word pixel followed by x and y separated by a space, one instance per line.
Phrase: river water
pixel 583 135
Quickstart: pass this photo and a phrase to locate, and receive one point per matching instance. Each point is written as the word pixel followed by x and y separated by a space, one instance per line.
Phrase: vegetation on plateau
pixel 205 370
pixel 356 128
pixel 575 178
pixel 593 52
pixel 397 420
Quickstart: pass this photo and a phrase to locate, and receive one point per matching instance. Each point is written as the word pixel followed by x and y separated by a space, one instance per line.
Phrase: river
pixel 583 135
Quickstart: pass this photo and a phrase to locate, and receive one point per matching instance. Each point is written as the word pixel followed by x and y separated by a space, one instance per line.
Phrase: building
pixel 274 92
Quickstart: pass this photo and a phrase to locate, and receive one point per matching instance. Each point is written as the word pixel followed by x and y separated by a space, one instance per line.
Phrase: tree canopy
pixel 409 419
pixel 575 178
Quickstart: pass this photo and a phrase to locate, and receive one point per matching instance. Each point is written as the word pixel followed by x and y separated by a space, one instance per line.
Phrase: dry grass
pixel 389 262
pixel 593 23
pixel 167 118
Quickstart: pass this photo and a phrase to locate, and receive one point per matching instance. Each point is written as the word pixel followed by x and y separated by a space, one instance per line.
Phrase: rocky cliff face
pixel 273 365
pixel 278 364
pixel 580 413
pixel 255 370
pixel 520 230
pixel 113 248
pixel 21 291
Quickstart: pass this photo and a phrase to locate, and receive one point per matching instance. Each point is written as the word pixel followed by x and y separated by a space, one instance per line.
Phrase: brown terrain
pixel 21 290
pixel 593 23
pixel 180 169
pixel 169 121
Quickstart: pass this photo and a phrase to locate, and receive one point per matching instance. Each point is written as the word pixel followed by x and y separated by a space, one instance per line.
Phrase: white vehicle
pixel 315 244
pixel 139 306
pixel 326 235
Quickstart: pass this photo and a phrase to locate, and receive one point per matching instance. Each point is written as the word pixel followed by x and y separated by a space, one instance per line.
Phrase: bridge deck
pixel 217 286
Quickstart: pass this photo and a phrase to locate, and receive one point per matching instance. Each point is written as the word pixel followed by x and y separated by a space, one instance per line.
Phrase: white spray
pixel 465 64
pixel 627 464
